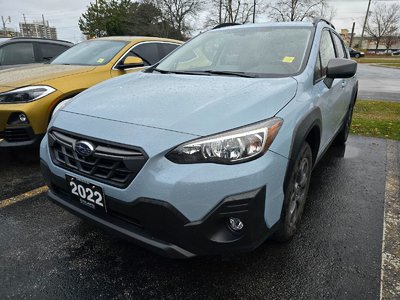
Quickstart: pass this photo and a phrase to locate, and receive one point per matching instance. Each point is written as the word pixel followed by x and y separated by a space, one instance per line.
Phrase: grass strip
pixel 377 119
pixel 366 60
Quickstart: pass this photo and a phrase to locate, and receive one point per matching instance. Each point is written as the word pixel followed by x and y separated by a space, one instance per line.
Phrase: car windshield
pixel 247 51
pixel 92 53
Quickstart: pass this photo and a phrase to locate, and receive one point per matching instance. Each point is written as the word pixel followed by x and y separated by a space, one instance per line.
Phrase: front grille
pixel 21 134
pixel 112 164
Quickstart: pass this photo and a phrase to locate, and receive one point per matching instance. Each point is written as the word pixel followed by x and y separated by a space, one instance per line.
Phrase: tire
pixel 343 134
pixel 357 55
pixel 295 195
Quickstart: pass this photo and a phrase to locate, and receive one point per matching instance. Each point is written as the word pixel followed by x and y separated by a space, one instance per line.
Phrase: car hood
pixel 194 104
pixel 38 74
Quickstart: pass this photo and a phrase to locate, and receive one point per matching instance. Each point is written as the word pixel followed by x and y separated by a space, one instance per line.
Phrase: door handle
pixel 344 83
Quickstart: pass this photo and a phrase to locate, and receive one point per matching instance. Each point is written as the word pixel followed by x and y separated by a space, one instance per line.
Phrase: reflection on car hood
pixel 38 74
pixel 199 105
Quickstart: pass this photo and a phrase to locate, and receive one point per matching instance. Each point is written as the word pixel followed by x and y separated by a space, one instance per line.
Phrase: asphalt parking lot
pixel 378 83
pixel 46 253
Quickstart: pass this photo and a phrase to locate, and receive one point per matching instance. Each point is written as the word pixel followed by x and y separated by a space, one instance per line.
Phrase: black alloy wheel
pixel 295 195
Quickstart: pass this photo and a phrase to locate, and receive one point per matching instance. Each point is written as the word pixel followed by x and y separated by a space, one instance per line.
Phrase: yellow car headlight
pixel 26 94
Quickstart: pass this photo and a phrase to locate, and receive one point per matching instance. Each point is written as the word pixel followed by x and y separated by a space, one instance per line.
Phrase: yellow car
pixel 29 95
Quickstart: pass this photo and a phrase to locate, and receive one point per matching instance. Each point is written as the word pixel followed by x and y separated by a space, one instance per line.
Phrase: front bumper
pixel 19 136
pixel 157 225
pixel 30 133
pixel 190 193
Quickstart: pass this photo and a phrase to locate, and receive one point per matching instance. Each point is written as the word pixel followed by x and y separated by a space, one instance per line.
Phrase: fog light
pixel 22 118
pixel 235 224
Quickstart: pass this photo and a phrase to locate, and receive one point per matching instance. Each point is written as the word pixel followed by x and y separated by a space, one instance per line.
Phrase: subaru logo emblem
pixel 84 148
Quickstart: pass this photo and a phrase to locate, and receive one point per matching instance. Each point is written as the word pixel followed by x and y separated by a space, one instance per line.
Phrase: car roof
pixel 35 39
pixel 268 24
pixel 314 23
pixel 3 40
pixel 137 38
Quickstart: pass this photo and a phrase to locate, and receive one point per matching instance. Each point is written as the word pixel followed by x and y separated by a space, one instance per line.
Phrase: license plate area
pixel 87 194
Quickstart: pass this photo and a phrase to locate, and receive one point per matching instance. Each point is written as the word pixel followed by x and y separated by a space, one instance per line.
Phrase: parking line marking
pixel 22 197
pixel 390 265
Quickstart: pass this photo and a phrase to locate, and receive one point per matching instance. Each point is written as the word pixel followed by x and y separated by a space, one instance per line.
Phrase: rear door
pixel 347 83
pixel 329 99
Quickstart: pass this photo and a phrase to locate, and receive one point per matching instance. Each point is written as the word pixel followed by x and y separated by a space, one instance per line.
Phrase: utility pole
pixel 44 26
pixel 22 27
pixel 4 24
pixel 254 11
pixel 352 34
pixel 365 23
pixel 220 11
pixel 97 20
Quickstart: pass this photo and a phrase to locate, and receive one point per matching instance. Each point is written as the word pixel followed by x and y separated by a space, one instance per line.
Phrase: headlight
pixel 26 94
pixel 231 147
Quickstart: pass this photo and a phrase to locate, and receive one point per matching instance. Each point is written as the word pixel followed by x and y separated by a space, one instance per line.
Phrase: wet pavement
pixel 378 83
pixel 46 253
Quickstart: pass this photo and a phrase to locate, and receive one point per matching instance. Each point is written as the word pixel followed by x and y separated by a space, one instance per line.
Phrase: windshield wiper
pixel 157 70
pixel 232 73
pixel 181 72
pixel 205 72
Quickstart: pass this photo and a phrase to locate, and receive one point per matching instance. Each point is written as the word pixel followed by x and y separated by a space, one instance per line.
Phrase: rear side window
pixel 149 52
pixel 167 48
pixel 326 53
pixel 17 53
pixel 48 51
pixel 340 50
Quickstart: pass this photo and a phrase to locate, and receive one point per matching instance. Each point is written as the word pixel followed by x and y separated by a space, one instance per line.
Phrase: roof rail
pixel 38 38
pixel 319 19
pixel 222 25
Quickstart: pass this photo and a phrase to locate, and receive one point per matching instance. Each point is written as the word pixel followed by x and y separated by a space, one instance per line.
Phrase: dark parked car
pixel 21 51
pixel 356 53
pixel 397 52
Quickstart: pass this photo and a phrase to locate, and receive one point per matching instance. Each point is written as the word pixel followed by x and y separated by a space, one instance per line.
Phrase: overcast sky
pixel 64 14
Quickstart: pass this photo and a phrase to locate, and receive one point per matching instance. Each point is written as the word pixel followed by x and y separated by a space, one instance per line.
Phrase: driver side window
pixel 148 52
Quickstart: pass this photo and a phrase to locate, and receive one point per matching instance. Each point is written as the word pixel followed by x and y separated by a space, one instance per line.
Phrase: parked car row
pixel 207 150
pixel 29 95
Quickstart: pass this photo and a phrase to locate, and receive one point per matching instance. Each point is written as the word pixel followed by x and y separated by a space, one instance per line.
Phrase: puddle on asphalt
pixel 344 151
pixel 351 152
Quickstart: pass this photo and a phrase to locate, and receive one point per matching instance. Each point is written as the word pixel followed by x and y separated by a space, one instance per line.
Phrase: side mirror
pixel 131 62
pixel 339 68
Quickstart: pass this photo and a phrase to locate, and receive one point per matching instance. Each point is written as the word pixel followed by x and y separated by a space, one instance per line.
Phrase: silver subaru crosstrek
pixel 210 150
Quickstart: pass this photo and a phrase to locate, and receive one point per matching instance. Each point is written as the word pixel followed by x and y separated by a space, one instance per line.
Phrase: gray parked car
pixel 22 50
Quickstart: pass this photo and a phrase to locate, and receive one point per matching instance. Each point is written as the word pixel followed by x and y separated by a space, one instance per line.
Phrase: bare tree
pixel 234 11
pixel 383 21
pixel 178 12
pixel 299 10
pixel 391 39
